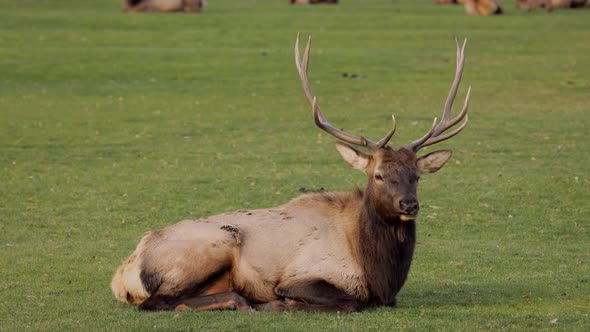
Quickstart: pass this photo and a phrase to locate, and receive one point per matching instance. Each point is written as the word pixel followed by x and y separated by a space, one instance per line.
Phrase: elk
pixel 549 5
pixel 476 7
pixel 154 6
pixel 482 7
pixel 326 251
pixel 312 2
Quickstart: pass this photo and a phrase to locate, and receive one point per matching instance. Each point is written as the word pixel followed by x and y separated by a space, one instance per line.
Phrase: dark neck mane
pixel 386 248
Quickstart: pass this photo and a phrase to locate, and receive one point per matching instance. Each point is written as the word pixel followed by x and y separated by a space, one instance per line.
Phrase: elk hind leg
pixel 218 282
pixel 187 269
pixel 221 301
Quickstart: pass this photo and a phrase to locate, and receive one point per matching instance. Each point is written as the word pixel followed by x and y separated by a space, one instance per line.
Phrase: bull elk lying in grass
pixel 327 251
pixel 164 6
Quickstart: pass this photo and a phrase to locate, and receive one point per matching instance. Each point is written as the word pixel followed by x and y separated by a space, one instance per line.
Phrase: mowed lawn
pixel 114 124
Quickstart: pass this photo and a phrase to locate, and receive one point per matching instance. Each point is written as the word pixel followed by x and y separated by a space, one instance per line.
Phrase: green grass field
pixel 113 124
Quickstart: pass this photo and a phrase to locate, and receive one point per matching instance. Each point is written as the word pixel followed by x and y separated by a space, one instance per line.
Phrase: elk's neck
pixel 386 249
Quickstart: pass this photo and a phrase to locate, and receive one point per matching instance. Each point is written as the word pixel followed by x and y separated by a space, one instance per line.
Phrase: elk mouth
pixel 408 217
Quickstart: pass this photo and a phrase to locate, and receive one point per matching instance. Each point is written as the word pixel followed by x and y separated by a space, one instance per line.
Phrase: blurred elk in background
pixel 163 6
pixel 312 2
pixel 549 5
pixel 476 7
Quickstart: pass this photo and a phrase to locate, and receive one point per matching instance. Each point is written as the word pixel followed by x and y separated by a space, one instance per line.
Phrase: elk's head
pixel 393 174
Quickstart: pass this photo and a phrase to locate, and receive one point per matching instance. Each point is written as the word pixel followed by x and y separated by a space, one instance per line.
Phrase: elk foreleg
pixel 316 295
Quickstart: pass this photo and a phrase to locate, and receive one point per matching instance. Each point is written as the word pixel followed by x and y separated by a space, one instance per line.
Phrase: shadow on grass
pixel 469 295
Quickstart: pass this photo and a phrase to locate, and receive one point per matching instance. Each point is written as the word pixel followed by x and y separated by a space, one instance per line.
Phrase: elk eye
pixel 378 177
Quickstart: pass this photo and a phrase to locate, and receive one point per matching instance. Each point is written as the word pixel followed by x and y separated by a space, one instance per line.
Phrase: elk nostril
pixel 409 206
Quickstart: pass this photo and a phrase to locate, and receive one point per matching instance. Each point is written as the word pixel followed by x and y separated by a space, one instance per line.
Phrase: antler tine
pixel 434 135
pixel 384 140
pixel 414 146
pixel 319 118
pixel 302 68
pixel 456 81
pixel 322 123
pixel 461 116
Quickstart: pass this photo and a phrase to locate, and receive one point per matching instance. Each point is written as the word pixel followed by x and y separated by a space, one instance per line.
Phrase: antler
pixel 318 116
pixel 434 135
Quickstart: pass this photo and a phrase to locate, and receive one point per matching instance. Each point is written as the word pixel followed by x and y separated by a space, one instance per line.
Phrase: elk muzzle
pixel 410 208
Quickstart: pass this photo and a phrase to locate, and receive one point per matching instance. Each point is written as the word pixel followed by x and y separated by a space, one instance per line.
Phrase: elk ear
pixel 356 159
pixel 433 161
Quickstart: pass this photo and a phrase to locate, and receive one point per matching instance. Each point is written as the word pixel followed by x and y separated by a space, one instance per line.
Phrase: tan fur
pixel 126 284
pixel 481 7
pixel 549 5
pixel 475 7
pixel 317 242
pixel 307 2
pixel 313 237
pixel 446 2
pixel 163 6
pixel 205 246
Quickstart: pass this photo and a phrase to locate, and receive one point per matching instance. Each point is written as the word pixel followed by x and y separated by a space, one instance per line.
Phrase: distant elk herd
pixel 325 251
pixel 186 6
pixel 472 7
pixel 163 6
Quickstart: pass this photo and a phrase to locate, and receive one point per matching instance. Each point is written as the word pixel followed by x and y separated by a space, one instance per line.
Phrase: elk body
pixel 476 7
pixel 328 251
pixel 482 7
pixel 549 5
pixel 312 2
pixel 164 6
